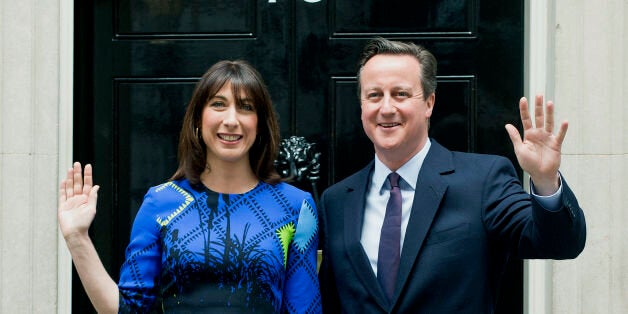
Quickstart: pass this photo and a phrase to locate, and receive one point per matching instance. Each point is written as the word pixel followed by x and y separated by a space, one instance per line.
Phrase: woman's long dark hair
pixel 245 79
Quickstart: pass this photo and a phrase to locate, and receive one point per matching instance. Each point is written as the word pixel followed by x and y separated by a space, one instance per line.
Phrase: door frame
pixel 65 140
pixel 538 77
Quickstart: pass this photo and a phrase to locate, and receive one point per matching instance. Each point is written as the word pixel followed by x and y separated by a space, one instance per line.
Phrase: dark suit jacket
pixel 469 215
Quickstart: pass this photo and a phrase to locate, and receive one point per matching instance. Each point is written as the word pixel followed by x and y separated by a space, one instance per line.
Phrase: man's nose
pixel 388 104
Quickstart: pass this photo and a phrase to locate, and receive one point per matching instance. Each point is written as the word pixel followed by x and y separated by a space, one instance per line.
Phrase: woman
pixel 224 234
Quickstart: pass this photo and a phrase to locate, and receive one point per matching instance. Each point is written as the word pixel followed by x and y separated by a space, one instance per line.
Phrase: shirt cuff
pixel 549 202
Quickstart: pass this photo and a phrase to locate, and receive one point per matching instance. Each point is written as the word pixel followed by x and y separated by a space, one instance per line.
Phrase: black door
pixel 136 63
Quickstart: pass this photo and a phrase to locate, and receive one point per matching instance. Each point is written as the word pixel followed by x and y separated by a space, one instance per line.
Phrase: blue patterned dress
pixel 195 250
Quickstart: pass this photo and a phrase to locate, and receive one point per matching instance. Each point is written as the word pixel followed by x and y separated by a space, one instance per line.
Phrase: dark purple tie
pixel 389 242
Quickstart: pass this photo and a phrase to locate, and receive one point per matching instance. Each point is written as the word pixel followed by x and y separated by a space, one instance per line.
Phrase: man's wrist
pixel 546 186
pixel 550 202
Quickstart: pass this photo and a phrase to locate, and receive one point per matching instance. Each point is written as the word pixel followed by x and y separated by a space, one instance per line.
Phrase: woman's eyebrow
pixel 219 96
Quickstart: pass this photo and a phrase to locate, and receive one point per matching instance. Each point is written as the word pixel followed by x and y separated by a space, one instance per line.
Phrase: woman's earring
pixel 196 132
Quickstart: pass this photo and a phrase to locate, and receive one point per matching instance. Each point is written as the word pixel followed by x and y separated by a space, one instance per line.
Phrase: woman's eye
pixel 248 107
pixel 217 104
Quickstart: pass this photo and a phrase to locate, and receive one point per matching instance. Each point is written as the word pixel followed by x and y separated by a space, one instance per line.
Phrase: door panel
pixel 137 61
pixel 400 17
pixel 142 125
pixel 183 19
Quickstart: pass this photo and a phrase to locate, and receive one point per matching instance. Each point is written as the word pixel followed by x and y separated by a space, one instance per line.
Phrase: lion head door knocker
pixel 299 161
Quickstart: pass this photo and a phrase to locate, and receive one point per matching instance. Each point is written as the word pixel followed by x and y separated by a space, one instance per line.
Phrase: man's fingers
pixel 515 136
pixel 525 113
pixel 562 131
pixel 78 178
pixel 539 117
pixel 549 117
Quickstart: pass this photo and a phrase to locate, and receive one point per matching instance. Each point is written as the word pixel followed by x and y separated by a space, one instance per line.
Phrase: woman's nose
pixel 230 118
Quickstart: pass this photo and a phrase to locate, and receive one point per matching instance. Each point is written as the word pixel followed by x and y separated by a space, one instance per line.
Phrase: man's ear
pixel 429 105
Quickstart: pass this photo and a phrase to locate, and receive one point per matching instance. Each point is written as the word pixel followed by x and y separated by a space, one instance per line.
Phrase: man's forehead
pixel 392 63
pixel 399 86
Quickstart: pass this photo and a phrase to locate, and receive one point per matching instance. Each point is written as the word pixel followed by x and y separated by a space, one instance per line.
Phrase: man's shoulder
pixel 476 157
pixel 442 159
pixel 357 178
pixel 440 151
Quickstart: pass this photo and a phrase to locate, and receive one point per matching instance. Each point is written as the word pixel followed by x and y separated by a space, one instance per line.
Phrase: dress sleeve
pixel 140 272
pixel 301 290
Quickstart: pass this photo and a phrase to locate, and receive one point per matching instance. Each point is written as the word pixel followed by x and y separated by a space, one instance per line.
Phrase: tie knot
pixel 393 178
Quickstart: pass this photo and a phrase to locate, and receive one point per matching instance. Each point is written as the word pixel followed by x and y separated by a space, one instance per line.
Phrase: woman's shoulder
pixel 171 192
pixel 305 214
pixel 297 198
pixel 288 190
pixel 166 200
pixel 175 188
pixel 286 193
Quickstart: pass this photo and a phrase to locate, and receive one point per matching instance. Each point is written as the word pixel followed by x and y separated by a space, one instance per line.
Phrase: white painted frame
pixel 66 107
pixel 538 78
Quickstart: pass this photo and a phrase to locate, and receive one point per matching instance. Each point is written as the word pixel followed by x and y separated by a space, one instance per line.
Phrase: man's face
pixel 394 113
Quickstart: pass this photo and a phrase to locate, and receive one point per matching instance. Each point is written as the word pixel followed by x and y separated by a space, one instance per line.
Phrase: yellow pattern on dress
pixel 186 195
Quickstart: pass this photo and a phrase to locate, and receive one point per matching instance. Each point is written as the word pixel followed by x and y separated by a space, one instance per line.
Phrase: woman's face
pixel 228 129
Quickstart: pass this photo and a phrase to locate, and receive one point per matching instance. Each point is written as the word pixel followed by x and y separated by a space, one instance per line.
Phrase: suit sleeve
pixel 518 221
pixel 329 293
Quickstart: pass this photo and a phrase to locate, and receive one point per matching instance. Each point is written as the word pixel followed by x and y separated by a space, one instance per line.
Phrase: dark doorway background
pixel 136 63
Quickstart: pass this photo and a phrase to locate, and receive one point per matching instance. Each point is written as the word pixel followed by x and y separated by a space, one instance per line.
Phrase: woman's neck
pixel 229 178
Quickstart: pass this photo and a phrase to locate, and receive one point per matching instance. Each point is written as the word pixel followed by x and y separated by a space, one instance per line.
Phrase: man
pixel 437 240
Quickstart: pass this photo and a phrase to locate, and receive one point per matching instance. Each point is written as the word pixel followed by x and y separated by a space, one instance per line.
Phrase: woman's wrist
pixel 77 240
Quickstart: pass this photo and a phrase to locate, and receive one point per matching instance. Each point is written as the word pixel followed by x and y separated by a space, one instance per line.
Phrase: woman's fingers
pixel 69 183
pixel 62 197
pixel 77 181
pixel 78 178
pixel 87 179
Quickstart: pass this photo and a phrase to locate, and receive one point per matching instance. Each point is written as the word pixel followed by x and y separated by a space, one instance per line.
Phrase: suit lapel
pixel 353 217
pixel 430 189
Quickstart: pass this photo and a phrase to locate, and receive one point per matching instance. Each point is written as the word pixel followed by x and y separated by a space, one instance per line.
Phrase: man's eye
pixel 403 94
pixel 372 95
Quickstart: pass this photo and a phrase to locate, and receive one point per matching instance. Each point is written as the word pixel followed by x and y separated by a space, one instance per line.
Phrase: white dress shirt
pixel 378 193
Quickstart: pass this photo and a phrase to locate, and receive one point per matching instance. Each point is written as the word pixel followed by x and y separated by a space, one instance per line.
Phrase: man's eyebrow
pixel 397 87
pixel 372 87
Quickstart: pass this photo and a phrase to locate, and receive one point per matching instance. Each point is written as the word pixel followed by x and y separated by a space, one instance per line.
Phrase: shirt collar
pixel 409 171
